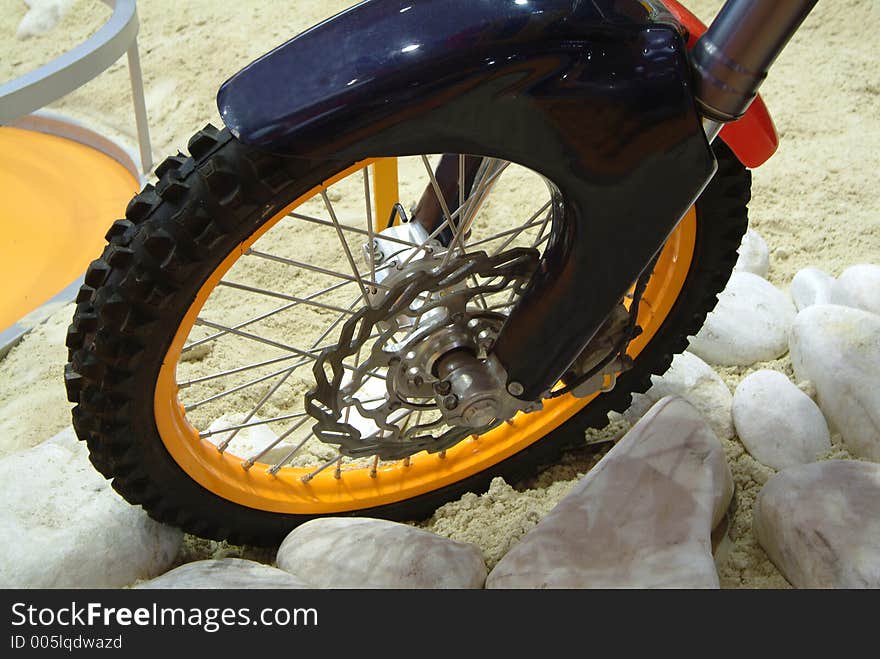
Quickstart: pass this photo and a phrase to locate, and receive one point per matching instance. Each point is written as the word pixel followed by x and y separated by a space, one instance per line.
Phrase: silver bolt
pixel 450 402
pixel 515 388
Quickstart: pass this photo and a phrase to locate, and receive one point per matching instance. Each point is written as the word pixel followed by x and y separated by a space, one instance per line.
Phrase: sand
pixel 815 203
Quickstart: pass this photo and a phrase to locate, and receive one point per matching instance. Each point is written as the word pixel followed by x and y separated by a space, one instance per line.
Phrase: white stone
pixel 820 524
pixel 64 526
pixel 750 323
pixel 695 381
pixel 810 286
pixel 754 255
pixel 858 286
pixel 357 552
pixel 641 518
pixel 778 423
pixel 42 16
pixel 838 349
pixel 250 441
pixel 224 573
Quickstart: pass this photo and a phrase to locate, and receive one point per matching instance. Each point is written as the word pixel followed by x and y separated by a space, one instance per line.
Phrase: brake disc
pixel 427 310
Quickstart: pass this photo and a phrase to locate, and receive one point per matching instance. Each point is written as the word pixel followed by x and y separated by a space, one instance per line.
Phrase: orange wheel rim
pixel 357 488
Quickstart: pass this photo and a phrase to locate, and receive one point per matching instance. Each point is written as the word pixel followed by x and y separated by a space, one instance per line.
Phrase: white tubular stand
pixel 76 67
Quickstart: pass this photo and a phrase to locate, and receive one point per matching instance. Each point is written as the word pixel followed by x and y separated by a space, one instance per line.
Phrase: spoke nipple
pixel 407 462
pixel 442 454
pixel 247 464
pixel 475 438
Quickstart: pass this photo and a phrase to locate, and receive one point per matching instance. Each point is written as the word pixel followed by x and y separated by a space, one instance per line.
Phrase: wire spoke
pixel 269 376
pixel 357 230
pixel 540 237
pixel 371 249
pixel 251 383
pixel 317 471
pixel 491 168
pixel 251 424
pixel 345 247
pixel 311 267
pixel 257 319
pixel 460 180
pixel 502 234
pixel 272 391
pixel 481 298
pixel 258 339
pixel 436 232
pixel 282 296
pixel 528 223
pixel 447 216
pixel 240 369
pixel 247 464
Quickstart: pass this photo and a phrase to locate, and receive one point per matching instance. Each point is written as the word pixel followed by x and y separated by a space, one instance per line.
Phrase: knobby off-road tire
pixel 174 235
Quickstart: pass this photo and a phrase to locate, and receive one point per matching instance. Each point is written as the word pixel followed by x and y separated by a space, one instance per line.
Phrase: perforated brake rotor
pixel 388 404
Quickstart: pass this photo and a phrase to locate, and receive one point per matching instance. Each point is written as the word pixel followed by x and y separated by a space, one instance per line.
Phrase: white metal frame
pixel 77 66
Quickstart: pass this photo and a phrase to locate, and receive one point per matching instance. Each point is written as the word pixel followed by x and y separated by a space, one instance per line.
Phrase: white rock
pixel 750 323
pixel 224 573
pixel 641 518
pixel 248 441
pixel 695 381
pixel 810 286
pixel 65 527
pixel 754 255
pixel 778 423
pixel 42 16
pixel 356 552
pixel 820 524
pixel 838 349
pixel 858 286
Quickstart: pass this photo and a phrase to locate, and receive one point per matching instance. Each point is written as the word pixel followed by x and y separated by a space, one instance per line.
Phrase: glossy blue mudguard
pixel 594 95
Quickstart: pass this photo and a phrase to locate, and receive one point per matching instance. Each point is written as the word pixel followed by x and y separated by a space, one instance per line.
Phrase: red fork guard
pixel 753 137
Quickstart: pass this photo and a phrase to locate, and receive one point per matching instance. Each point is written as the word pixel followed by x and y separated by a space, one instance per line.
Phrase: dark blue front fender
pixel 594 95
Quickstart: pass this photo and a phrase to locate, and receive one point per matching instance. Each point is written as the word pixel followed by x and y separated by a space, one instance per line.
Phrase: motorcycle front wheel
pixel 197 332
